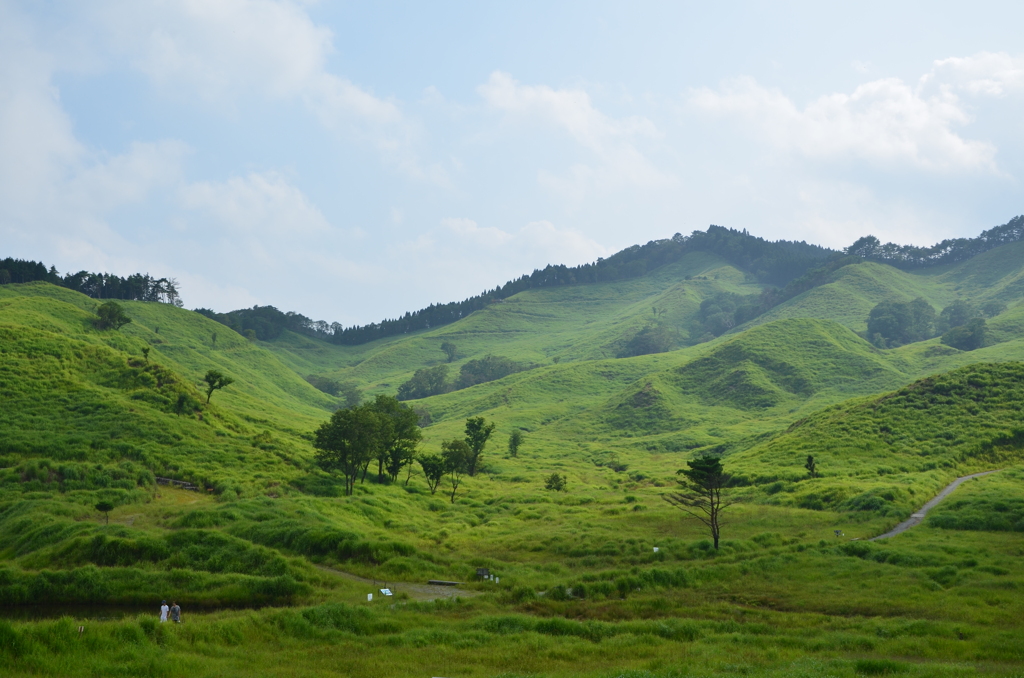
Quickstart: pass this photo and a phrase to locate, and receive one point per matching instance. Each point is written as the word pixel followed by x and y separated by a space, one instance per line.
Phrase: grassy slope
pixel 776 577
pixel 994 275
pixel 577 323
pixel 88 395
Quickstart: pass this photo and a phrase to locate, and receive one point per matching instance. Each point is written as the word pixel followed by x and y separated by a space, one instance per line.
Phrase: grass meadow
pixel 266 558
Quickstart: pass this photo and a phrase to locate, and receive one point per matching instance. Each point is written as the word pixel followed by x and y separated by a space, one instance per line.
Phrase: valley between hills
pixel 895 379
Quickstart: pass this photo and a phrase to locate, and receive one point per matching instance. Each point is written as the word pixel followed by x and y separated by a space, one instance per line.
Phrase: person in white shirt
pixel 163 611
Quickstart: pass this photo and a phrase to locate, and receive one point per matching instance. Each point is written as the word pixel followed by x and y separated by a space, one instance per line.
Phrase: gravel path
pixel 919 516
pixel 418 592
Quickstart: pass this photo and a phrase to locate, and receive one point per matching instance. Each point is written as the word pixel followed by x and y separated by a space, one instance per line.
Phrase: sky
pixel 355 160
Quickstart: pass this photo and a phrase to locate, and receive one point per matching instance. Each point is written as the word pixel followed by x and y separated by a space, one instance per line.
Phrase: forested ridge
pixel 951 251
pixel 137 287
pixel 792 266
pixel 773 263
pixel 795 267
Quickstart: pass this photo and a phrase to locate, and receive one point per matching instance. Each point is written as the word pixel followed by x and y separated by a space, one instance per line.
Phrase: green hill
pixel 908 444
pixel 88 417
pixel 585 322
pixel 73 392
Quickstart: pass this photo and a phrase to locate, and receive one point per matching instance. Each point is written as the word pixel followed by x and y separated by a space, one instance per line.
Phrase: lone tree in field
pixel 812 468
pixel 456 454
pixel 105 507
pixel 449 350
pixel 111 316
pixel 346 442
pixel 215 380
pixel 477 434
pixel 515 441
pixel 701 496
pixel 433 470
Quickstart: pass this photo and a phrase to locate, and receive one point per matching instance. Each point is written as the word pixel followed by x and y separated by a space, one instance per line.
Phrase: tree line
pixel 951 251
pixel 771 262
pixel 787 267
pixel 136 287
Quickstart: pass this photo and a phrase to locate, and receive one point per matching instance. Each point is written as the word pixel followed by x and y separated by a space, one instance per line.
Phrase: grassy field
pixel 259 556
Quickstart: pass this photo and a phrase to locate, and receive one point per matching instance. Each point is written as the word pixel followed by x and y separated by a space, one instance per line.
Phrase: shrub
pixel 111 316
pixel 879 667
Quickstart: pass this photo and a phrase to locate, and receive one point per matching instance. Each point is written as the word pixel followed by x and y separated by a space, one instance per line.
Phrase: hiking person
pixel 175 613
pixel 164 610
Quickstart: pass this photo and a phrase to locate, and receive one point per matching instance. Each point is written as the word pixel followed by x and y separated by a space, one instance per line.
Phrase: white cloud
pixel 569 109
pixel 536 244
pixel 884 122
pixel 616 161
pixel 263 205
pixel 221 47
pixel 989 73
pixel 127 178
pixel 226 51
pixel 54 190
pixel 37 144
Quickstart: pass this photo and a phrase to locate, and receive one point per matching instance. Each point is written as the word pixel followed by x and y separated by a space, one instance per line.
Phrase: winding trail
pixel 418 592
pixel 919 516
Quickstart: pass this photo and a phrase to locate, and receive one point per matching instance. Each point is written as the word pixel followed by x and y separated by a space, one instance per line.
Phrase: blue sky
pixel 352 161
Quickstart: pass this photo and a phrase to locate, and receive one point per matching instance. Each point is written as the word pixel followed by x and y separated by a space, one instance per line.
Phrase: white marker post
pixel 369 597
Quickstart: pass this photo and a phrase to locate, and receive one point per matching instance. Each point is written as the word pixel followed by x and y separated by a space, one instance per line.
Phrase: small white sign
pixel 655 549
pixel 386 592
pixel 369 597
pixel 497 580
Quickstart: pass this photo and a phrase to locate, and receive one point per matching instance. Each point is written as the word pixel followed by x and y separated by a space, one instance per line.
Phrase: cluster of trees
pixel 961 324
pixel 459 456
pixel 266 323
pixel 137 287
pixel 347 392
pixel 425 382
pixel 384 430
pixel 894 323
pixel 429 381
pixel 655 337
pixel 946 252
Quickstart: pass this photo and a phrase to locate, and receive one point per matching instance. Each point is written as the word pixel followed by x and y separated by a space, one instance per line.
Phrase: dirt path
pixel 418 592
pixel 919 516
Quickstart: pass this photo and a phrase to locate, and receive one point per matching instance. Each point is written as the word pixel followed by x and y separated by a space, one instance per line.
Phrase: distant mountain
pixel 774 263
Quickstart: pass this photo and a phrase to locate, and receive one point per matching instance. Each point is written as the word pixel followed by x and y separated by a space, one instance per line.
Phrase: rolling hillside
pixel 89 417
